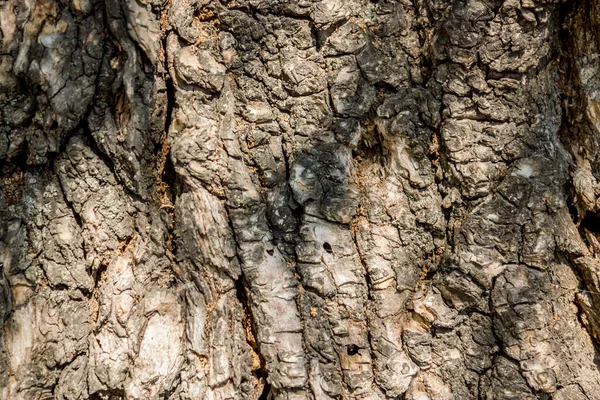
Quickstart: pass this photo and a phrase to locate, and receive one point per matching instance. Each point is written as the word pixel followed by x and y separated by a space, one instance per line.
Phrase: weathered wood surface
pixel 326 199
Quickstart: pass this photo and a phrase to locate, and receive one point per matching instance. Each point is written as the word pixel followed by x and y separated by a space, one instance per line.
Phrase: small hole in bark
pixel 386 87
pixel 270 251
pixel 352 349
pixel 327 247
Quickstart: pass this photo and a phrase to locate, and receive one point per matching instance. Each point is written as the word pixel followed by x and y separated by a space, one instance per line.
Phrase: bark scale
pixel 299 199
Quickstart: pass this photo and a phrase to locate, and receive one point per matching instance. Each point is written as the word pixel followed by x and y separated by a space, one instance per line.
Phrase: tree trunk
pixel 294 199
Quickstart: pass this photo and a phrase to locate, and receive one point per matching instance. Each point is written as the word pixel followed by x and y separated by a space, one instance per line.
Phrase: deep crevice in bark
pixel 370 148
pixel 250 332
pixel 266 393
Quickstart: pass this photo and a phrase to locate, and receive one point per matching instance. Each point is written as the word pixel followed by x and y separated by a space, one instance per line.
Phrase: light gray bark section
pixel 299 199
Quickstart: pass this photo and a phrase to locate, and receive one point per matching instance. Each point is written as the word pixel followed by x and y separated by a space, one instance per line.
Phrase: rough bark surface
pixel 300 199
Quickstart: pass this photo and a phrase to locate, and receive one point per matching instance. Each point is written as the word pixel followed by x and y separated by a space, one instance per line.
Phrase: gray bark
pixel 294 199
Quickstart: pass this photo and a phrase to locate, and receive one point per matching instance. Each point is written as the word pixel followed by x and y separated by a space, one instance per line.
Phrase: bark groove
pixel 322 199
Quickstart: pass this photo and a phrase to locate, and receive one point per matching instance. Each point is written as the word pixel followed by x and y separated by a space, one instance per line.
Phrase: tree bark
pixel 293 199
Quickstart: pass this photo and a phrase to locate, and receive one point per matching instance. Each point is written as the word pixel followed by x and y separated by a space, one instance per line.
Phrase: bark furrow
pixel 318 199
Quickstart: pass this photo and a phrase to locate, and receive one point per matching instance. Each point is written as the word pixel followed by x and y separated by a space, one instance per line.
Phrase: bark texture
pixel 299 199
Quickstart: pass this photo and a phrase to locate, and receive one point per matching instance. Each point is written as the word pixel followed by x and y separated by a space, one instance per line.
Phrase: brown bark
pixel 288 199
